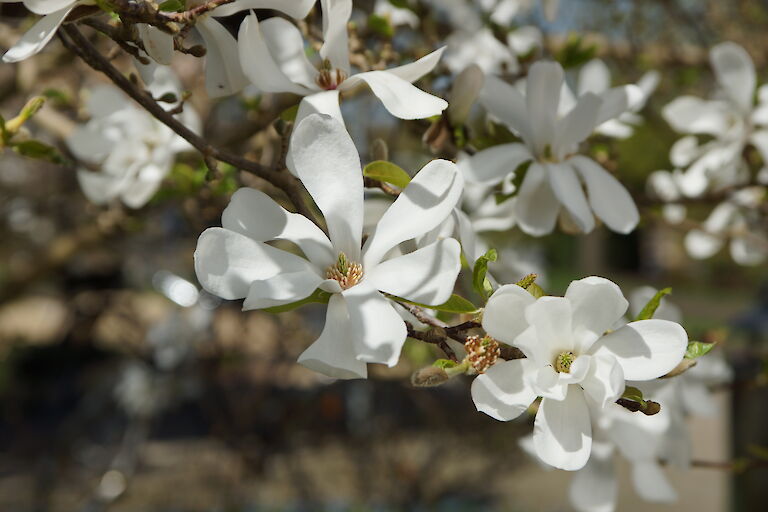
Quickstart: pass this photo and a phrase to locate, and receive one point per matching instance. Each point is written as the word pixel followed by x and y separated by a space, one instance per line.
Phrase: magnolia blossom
pixel 362 325
pixel 133 150
pixel 570 361
pixel 556 175
pixel 732 118
pixel 595 77
pixel 396 15
pixel 273 58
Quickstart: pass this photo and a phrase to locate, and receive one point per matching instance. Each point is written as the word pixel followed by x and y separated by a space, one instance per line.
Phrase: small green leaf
pixel 697 349
pixel 632 393
pixel 318 296
pixel 535 290
pixel 289 114
pixel 38 150
pixel 455 304
pixel 387 172
pixel 517 181
pixel 652 305
pixel 527 281
pixel 172 6
pixel 381 25
pixel 480 282
pixel 444 363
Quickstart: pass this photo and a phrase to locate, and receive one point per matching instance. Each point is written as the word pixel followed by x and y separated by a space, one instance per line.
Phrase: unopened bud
pixel 168 97
pixel 379 150
pixel 30 109
pixel 684 366
pixel 429 377
pixel 197 51
pixel 464 92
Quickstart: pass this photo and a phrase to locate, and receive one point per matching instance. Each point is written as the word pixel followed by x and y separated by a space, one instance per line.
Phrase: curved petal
pixel 99 187
pixel 594 487
pixel 401 98
pixel 735 73
pixel 257 62
pixel 226 263
pixel 618 100
pixel 492 165
pixel 562 432
pixel 294 8
pixel 223 74
pixel 646 349
pixel 377 330
pixel 35 39
pixel 333 353
pixel 254 214
pixel 327 163
pixel 577 125
pixel 551 317
pixel 594 77
pixel 413 71
pixel 336 14
pixel 651 483
pixel 502 391
pixel 702 245
pixel 542 94
pixel 604 381
pixel 568 190
pixel 607 196
pixel 44 7
pixel 147 181
pixel 157 43
pixel 597 305
pixel 536 206
pixel 749 250
pixel 324 102
pixel 508 104
pixel 423 205
pixel 548 384
pixel 286 47
pixel 281 289
pixel 688 114
pixel 504 314
pixel 426 276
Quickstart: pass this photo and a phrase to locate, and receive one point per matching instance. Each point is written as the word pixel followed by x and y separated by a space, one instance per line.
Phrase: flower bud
pixel 429 377
pixel 464 92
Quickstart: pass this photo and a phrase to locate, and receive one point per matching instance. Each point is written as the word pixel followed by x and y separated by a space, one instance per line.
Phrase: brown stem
pixel 80 46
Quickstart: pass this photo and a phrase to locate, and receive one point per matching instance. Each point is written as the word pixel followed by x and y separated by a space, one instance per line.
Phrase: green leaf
pixel 697 349
pixel 455 304
pixel 318 296
pixel 38 150
pixel 527 281
pixel 172 6
pixel 480 282
pixel 289 114
pixel 632 393
pixel 381 26
pixel 387 172
pixel 517 181
pixel 576 52
pixel 652 305
pixel 444 363
pixel 535 290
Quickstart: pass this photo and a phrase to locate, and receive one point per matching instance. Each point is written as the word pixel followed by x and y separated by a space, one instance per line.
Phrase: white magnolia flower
pixel 273 58
pixel 133 150
pixel 396 15
pixel 479 47
pixel 737 220
pixel 732 118
pixel 595 77
pixel 361 324
pixel 570 361
pixel 557 175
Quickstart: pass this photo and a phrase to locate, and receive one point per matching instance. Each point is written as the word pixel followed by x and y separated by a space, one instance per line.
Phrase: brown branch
pixel 433 337
pixel 149 13
pixel 80 46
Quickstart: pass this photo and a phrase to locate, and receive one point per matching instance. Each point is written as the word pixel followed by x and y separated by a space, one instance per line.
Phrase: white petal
pixel 645 349
pixel 735 73
pixel 324 102
pixel 492 165
pixel 502 392
pixel 651 483
pixel 609 199
pixel 422 206
pixel 504 314
pixel 594 77
pixel 333 353
pixel 749 250
pixel 254 214
pixel 45 6
pixel 662 185
pixel 577 125
pixel 140 190
pixel 548 384
pixel 35 39
pixel 257 62
pixel 286 47
pixel 604 382
pixel 401 98
pixel 327 163
pixel 158 44
pixel 294 8
pixel 545 79
pixel 505 102
pixel 618 100
pixel 223 74
pixel 594 487
pixel 377 330
pixel 688 114
pixel 536 206
pixel 702 245
pixel 562 432
pixel 281 289
pixel 551 317
pixel 336 14
pixel 427 275
pixel 415 70
pixel 567 189
pixel 226 263
pixel 100 187
pixel 597 305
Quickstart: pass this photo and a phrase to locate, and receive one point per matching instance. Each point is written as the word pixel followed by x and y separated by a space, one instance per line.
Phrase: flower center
pixel 482 353
pixel 329 78
pixel 347 273
pixel 564 361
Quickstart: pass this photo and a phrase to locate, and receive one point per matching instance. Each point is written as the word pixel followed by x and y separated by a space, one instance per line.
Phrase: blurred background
pixel 123 387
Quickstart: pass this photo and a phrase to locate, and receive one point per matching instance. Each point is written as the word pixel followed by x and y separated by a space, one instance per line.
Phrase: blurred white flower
pixel 396 15
pixel 361 324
